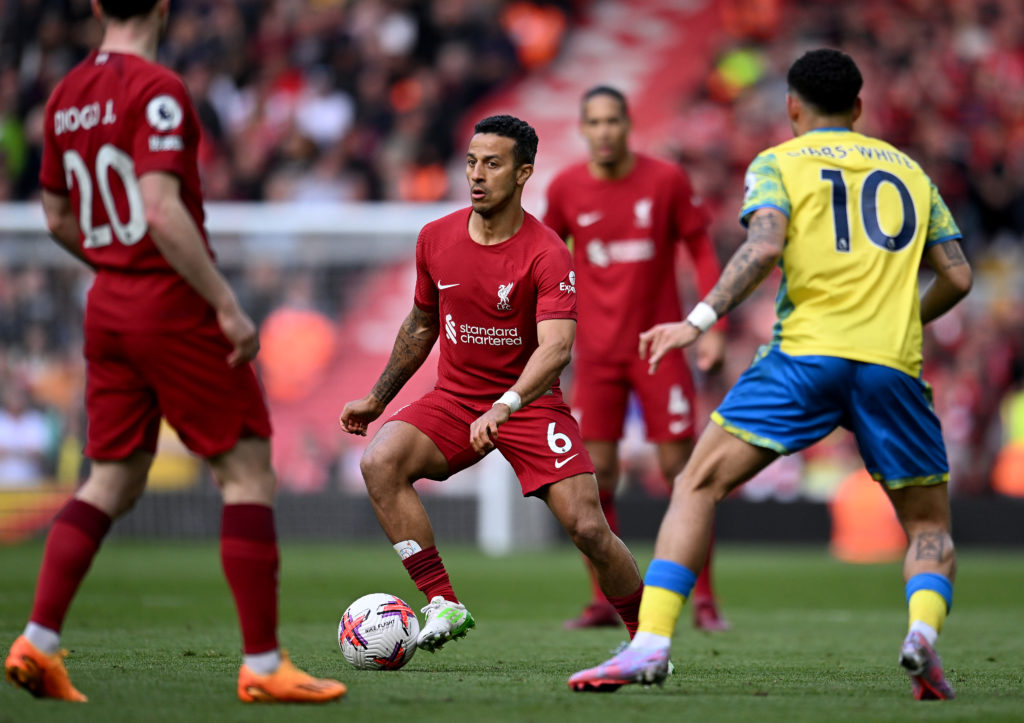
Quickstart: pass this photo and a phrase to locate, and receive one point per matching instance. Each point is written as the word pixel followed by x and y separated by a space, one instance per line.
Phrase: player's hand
pixel 659 340
pixel 710 351
pixel 236 325
pixel 484 430
pixel 357 415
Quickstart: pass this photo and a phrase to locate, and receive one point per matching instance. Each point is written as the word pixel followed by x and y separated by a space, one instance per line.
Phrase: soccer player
pixel 164 335
pixel 626 213
pixel 498 287
pixel 850 219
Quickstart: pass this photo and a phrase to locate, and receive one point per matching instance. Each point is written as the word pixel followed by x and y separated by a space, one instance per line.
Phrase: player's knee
pixel 127 496
pixel 380 466
pixel 589 533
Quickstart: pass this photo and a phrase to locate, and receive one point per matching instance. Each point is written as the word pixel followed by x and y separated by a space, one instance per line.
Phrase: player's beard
pixel 493 203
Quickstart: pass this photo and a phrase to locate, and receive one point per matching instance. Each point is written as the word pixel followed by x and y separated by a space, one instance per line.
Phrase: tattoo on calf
pixel 930 545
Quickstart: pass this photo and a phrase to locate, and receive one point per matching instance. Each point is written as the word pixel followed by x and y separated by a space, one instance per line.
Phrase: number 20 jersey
pixel 114 118
pixel 861 214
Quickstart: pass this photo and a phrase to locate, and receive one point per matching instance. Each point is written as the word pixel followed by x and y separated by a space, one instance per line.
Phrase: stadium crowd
pixel 359 100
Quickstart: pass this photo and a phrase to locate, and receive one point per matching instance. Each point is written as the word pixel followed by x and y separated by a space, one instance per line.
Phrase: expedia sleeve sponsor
pixel 489 335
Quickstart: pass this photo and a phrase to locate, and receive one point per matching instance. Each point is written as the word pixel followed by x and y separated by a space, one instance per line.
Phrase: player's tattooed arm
pixel 953 279
pixel 415 339
pixel 752 262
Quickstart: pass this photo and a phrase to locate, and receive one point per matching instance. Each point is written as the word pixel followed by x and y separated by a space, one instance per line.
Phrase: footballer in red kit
pixel 497 288
pixel 164 337
pixel 627 215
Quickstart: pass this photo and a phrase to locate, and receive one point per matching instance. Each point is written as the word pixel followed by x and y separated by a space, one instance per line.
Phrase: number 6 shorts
pixel 133 379
pixel 541 441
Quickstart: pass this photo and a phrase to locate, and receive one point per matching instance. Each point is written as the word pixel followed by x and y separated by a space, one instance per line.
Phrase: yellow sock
pixel 659 610
pixel 927 606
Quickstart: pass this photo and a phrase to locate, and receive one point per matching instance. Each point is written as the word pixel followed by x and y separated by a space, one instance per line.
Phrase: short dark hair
pixel 610 92
pixel 508 126
pixel 125 9
pixel 827 79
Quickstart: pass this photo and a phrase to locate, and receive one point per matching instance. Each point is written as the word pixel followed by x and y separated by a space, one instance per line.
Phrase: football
pixel 378 632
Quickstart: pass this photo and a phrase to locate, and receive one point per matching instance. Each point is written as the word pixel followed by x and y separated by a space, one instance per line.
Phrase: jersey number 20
pixel 869 211
pixel 109 158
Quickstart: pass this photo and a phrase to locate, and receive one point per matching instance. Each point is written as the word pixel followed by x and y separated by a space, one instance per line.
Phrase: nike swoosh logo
pixel 445 286
pixel 589 219
pixel 559 463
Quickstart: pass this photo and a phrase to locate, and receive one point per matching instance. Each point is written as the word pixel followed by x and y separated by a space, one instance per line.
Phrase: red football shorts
pixel 133 379
pixel 542 441
pixel 601 394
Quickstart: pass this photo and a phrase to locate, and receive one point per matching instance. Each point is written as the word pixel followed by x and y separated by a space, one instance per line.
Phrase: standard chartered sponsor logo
pixel 489 335
pixel 485 335
pixel 625 251
pixel 449 329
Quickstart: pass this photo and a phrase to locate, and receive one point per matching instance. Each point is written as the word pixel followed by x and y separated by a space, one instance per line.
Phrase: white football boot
pixel 443 621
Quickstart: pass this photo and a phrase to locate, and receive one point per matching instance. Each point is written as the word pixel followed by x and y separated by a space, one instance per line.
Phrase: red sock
pixel 702 589
pixel 76 535
pixel 628 607
pixel 427 571
pixel 248 553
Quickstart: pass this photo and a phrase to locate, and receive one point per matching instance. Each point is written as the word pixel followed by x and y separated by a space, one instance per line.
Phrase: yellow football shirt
pixel 861 213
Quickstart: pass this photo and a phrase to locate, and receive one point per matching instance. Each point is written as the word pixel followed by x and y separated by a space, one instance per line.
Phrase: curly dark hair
pixel 507 126
pixel 827 79
pixel 609 91
pixel 125 9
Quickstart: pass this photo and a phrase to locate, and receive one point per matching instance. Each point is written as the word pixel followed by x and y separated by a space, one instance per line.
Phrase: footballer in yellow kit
pixel 849 219
pixel 846 350
pixel 860 214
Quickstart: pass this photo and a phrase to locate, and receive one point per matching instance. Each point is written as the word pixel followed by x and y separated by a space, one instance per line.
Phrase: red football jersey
pixel 114 118
pixel 624 235
pixel 489 300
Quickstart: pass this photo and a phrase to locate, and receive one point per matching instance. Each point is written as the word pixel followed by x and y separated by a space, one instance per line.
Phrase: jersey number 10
pixel 870 221
pixel 109 158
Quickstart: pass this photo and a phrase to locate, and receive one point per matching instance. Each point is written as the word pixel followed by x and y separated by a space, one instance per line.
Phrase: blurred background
pixel 333 129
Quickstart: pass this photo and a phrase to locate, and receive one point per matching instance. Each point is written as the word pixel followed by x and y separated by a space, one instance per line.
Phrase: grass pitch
pixel 153 637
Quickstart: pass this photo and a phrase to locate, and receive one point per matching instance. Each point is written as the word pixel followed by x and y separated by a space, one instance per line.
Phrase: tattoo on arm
pixel 415 339
pixel 930 546
pixel 751 263
pixel 954 255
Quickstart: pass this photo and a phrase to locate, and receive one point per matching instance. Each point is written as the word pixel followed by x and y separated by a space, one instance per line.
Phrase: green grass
pixel 153 637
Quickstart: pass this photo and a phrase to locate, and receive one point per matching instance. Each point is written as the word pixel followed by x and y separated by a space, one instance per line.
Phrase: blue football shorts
pixel 787 403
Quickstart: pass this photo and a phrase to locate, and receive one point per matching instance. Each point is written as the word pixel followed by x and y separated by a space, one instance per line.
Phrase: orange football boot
pixel 42 675
pixel 287 684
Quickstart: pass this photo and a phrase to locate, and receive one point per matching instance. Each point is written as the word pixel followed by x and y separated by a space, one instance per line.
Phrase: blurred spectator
pixel 280 84
pixel 25 438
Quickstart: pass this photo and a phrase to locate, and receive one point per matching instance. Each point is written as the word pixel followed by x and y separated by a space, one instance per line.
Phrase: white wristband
pixel 703 317
pixel 512 400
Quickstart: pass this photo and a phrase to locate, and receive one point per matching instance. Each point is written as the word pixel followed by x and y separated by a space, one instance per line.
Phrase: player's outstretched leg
pixel 443 621
pixel 287 684
pixel 42 675
pixel 631 665
pixel 924 667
